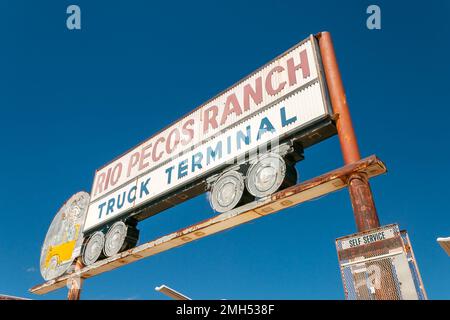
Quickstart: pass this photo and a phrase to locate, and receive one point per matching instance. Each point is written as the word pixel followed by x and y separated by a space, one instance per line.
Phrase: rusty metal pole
pixel 364 210
pixel 75 283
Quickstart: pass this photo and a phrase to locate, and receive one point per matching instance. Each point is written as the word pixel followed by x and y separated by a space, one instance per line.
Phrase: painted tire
pixel 115 239
pixel 93 248
pixel 227 191
pixel 266 176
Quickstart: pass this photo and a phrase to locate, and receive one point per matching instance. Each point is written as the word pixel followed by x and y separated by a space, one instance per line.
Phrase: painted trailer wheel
pixel 93 248
pixel 227 191
pixel 115 239
pixel 266 176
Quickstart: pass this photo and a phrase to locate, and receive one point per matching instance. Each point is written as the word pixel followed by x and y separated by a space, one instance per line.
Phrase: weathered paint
pixel 64 239
pixel 278 100
pixel 364 210
pixel 379 264
pixel 305 191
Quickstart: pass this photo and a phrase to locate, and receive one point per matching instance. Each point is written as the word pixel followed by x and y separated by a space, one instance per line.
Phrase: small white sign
pixel 368 238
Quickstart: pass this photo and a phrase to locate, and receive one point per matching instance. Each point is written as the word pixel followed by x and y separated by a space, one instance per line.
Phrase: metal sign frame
pixel 302 192
pixel 354 175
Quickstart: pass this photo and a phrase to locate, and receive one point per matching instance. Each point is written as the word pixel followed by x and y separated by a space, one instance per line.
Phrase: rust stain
pixel 221 221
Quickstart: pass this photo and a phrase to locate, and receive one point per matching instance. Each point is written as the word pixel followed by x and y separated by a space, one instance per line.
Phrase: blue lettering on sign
pixel 213 152
pixel 241 137
pixel 110 208
pixel 100 207
pixel 111 204
pixel 144 188
pixel 197 161
pixel 285 122
pixel 169 174
pixel 120 205
pixel 210 153
pixel 131 198
pixel 265 126
pixel 182 169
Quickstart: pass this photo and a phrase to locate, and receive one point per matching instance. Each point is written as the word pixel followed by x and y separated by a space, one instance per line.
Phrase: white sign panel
pixel 361 240
pixel 281 98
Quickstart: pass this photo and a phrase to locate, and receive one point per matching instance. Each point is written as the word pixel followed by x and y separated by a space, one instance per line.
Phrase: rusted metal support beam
pixel 305 191
pixel 75 282
pixel 344 125
pixel 364 210
pixel 362 202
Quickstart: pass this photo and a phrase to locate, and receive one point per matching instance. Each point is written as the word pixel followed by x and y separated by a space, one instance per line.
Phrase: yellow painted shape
pixel 63 251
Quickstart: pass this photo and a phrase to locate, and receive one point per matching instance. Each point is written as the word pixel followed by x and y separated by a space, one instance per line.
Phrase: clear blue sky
pixel 73 100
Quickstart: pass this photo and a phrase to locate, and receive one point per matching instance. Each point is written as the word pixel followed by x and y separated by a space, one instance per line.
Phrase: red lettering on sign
pixel 269 84
pixel 99 185
pixel 231 106
pixel 116 173
pixel 132 162
pixel 292 68
pixel 155 155
pixel 210 118
pixel 108 177
pixel 144 156
pixel 169 146
pixel 188 132
pixel 255 94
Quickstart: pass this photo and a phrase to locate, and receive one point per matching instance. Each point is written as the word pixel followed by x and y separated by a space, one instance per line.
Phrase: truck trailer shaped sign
pixel 240 145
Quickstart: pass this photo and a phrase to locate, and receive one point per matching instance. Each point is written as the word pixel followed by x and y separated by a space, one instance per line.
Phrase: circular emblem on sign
pixel 64 237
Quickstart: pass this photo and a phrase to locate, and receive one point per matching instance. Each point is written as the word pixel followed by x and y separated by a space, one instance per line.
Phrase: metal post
pixel 365 213
pixel 364 210
pixel 75 283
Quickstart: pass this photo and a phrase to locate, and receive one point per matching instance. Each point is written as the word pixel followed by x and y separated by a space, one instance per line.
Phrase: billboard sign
pixel 285 96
